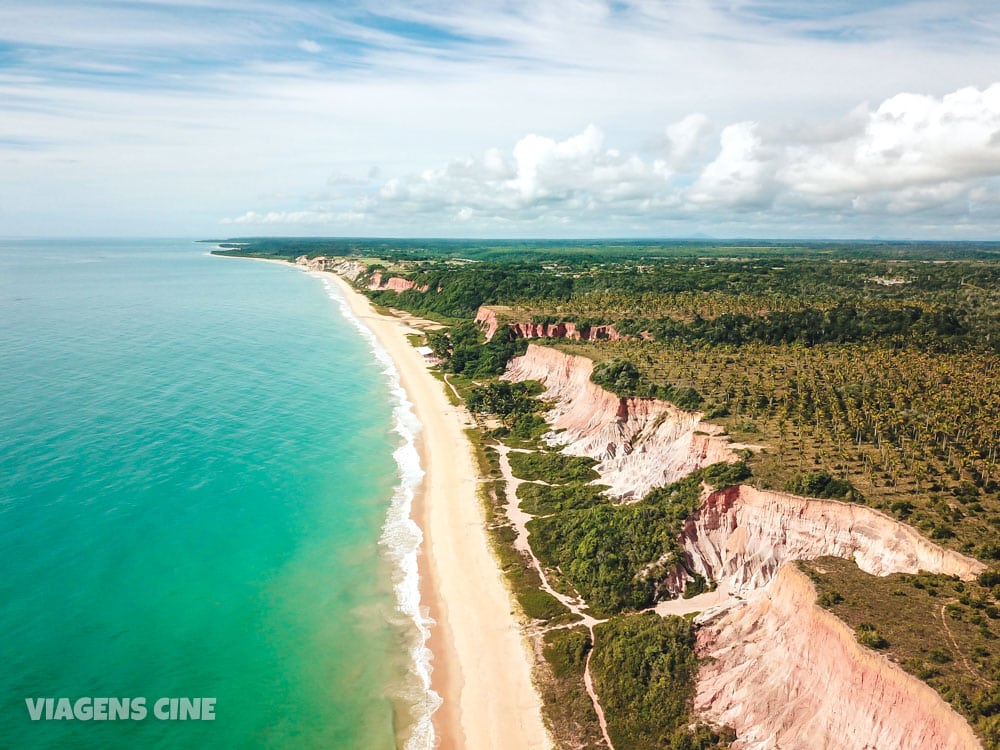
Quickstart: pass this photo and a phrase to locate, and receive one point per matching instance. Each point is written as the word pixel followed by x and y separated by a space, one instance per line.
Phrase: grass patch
pixel 543 500
pixel 524 580
pixel 487 461
pixel 449 394
pixel 554 468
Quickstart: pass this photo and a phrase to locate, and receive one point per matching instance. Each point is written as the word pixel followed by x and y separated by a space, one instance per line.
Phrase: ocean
pixel 205 474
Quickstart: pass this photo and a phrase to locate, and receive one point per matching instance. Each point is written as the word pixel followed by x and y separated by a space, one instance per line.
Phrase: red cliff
pixel 488 320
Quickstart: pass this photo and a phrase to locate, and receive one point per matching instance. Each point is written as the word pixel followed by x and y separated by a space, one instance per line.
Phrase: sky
pixel 511 118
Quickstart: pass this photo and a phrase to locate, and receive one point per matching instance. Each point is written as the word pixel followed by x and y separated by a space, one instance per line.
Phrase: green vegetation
pixel 595 251
pixel 616 555
pixel 693 292
pixel 525 583
pixel 622 378
pixel 869 636
pixel 554 468
pixel 514 404
pixel 618 376
pixel 821 484
pixel 644 668
pixel 609 554
pixel 914 433
pixel 543 500
pixel 569 707
pixel 463 350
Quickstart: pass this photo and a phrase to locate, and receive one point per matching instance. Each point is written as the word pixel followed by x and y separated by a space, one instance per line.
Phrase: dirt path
pixel 453 390
pixel 968 667
pixel 519 520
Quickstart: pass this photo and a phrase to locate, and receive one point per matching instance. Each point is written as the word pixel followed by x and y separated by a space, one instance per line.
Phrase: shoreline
pixel 481 664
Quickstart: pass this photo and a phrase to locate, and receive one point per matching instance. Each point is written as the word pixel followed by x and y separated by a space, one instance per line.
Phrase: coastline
pixel 481 664
pixel 482 667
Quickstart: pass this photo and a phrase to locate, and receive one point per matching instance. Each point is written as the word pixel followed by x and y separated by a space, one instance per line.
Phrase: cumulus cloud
pixel 539 177
pixel 687 141
pixel 910 140
pixel 741 175
pixel 912 154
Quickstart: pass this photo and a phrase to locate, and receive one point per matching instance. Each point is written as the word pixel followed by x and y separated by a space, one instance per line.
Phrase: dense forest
pixel 933 294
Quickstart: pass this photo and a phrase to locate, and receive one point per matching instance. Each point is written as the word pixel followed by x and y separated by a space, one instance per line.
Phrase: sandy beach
pixel 482 665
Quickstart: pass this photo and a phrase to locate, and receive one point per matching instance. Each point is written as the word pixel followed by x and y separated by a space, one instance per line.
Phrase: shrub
pixel 619 376
pixel 822 484
pixel 830 598
pixel 869 636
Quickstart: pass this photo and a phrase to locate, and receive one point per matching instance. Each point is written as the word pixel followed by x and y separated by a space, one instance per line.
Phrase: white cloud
pixel 909 140
pixel 220 107
pixel 539 178
pixel 911 155
pixel 686 141
pixel 741 175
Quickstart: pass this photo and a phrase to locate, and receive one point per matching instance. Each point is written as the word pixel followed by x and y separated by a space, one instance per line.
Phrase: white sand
pixel 482 664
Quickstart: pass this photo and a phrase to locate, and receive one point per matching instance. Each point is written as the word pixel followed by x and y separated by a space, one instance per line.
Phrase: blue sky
pixel 757 118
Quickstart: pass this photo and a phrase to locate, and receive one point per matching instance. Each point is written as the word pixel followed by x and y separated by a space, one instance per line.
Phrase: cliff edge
pixel 640 443
pixel 785 673
pixel 741 536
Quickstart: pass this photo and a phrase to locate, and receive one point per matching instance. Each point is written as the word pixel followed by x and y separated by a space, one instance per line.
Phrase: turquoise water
pixel 196 463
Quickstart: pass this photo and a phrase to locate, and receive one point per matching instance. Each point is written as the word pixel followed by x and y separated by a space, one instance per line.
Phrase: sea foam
pixel 401 537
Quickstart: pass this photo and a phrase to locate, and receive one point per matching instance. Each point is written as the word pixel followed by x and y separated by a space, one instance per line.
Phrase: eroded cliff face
pixel 742 535
pixel 567 330
pixel 349 269
pixel 785 673
pixel 354 270
pixel 640 443
pixel 488 320
pixel 780 670
pixel 394 284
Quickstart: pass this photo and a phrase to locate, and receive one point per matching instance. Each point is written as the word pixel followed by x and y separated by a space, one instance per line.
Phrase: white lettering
pixel 64 709
pixel 161 709
pixel 87 708
pixel 83 710
pixel 35 706
pixel 117 708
